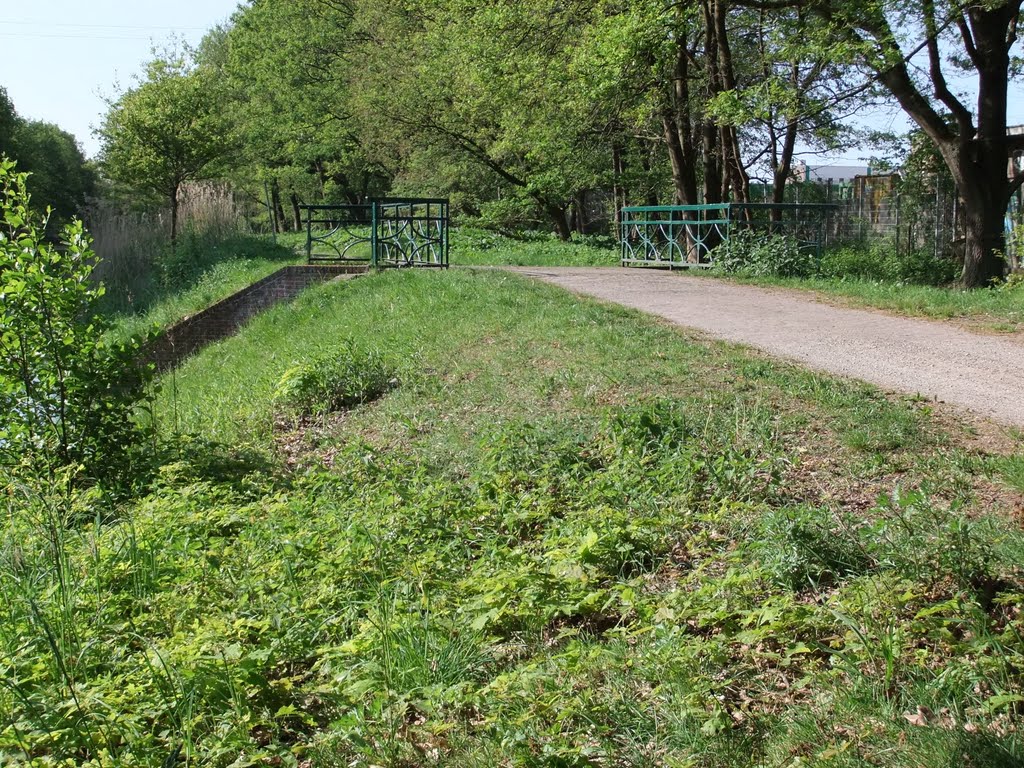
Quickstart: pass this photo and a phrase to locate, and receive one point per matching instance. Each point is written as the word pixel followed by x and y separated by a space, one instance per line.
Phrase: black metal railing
pixel 389 232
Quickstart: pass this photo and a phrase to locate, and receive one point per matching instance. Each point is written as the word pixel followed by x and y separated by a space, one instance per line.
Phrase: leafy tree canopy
pixel 168 130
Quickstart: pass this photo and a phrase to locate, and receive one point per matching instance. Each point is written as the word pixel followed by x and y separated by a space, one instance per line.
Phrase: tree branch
pixel 1016 184
pixel 968 37
pixel 963 116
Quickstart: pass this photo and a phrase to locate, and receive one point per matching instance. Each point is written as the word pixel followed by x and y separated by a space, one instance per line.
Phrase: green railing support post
pixel 309 236
pixel 373 235
pixel 446 208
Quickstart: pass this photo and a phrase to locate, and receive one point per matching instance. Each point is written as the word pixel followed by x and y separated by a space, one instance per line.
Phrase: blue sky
pixel 61 57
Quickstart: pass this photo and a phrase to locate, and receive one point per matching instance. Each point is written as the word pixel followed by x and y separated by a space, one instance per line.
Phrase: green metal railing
pixel 673 235
pixel 390 232
pixel 686 236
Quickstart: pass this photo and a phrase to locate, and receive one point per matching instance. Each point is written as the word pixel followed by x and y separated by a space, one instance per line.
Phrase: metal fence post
pixel 373 234
pixel 309 235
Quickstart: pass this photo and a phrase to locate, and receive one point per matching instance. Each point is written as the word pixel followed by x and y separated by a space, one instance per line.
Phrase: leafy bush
pixel 882 262
pixel 67 395
pixel 755 254
pixel 1014 283
pixel 334 382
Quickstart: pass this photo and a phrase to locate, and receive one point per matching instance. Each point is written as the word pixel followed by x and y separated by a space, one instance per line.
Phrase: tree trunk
pixel 618 186
pixel 651 194
pixel 559 219
pixel 783 170
pixel 678 127
pixel 985 236
pixel 580 206
pixel 684 180
pixel 713 179
pixel 275 199
pixel 174 219
pixel 736 180
pixel 296 212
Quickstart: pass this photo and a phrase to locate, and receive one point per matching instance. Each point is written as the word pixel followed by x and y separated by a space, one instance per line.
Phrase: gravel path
pixel 984 374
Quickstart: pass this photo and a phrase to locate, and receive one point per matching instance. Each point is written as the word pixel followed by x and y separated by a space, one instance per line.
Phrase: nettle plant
pixel 757 254
pixel 68 398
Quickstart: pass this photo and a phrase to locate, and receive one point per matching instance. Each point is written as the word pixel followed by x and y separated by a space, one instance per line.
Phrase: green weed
pixel 571 537
pixel 342 380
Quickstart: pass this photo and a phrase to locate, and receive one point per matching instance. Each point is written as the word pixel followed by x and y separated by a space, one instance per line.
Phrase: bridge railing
pixel 388 232
pixel 686 236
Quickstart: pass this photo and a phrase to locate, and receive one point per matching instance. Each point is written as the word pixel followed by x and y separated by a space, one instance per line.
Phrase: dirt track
pixel 984 374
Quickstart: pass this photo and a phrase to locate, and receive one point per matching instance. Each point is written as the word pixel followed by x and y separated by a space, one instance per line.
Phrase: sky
pixel 61 58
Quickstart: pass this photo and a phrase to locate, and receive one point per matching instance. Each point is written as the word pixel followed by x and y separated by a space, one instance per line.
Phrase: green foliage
pixel 1012 284
pixel 61 180
pixel 68 396
pixel 471 247
pixel 168 130
pixel 883 262
pixel 572 537
pixel 286 68
pixel 502 99
pixel 337 382
pixel 8 123
pixel 755 254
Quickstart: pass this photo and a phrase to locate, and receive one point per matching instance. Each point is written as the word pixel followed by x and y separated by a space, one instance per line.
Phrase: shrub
pixel 334 382
pixel 756 254
pixel 882 262
pixel 68 396
pixel 1014 283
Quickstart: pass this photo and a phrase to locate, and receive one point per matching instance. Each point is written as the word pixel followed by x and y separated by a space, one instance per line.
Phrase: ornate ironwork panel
pixel 673 235
pixel 390 232
pixel 412 233
pixel 339 233
pixel 686 236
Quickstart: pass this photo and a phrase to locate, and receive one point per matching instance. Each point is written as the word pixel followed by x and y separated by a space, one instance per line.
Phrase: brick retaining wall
pixel 223 319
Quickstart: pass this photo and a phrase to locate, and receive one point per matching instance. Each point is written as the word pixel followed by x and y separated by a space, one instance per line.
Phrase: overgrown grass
pixel 150 283
pixel 566 536
pixel 477 247
pixel 242 264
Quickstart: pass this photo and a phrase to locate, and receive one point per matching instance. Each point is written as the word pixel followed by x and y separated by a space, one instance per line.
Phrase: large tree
pixel 286 67
pixel 909 46
pixel 168 130
pixel 490 84
pixel 61 178
pixel 8 122
pixel 662 65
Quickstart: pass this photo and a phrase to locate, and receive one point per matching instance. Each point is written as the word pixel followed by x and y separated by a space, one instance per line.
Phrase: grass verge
pixel 477 247
pixel 203 287
pixel 563 534
pixel 999 310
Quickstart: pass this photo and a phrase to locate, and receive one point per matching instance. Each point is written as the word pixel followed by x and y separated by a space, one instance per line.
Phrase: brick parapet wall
pixel 223 319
